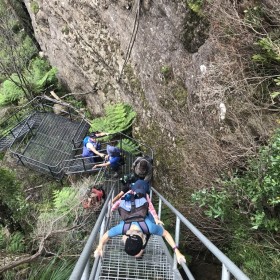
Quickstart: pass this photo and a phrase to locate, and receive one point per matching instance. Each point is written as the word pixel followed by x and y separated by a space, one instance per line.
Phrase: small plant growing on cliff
pixel 34 7
pixel 195 5
pixel 65 30
pixel 166 72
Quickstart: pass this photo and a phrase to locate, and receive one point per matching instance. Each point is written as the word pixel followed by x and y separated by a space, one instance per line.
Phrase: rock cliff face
pixel 132 51
pixel 156 56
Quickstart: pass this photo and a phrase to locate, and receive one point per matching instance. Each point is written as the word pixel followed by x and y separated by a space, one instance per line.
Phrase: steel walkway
pixel 157 263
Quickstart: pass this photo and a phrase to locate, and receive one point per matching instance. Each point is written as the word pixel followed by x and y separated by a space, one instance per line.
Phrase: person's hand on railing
pixel 180 257
pixel 99 251
pixel 158 222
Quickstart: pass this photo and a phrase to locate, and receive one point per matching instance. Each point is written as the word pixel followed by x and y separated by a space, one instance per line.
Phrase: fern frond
pixel 130 147
pixel 118 117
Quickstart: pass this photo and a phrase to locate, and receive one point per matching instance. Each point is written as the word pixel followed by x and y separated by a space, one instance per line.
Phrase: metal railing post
pixel 177 239
pixel 159 207
pixel 225 273
pixel 85 275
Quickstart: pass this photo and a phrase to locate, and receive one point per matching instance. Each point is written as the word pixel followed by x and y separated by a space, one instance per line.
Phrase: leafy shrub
pixel 38 76
pixel 11 193
pixel 270 52
pixel 10 92
pixel 248 205
pixel 260 260
pixel 256 194
pixel 217 202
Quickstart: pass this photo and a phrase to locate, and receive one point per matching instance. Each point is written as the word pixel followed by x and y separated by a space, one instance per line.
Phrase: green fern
pixel 118 118
pixel 15 243
pixel 130 147
pixel 41 75
pixel 38 76
pixel 64 199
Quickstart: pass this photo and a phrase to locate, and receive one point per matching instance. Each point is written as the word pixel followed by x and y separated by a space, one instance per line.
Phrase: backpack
pixel 136 214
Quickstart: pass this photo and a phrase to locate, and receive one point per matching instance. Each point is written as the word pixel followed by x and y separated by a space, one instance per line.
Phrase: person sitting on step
pixel 95 197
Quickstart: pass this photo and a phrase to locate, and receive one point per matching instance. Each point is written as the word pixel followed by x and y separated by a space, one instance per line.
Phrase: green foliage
pixel 10 92
pixel 254 16
pixel 256 194
pixel 11 192
pixel 270 50
pixel 64 199
pixel 129 146
pixel 65 30
pixel 217 202
pixel 249 206
pixel 276 93
pixel 75 103
pixel 195 5
pixel 39 76
pixel 166 72
pixel 55 270
pixel 15 243
pixel 260 260
pixel 118 118
pixel 34 7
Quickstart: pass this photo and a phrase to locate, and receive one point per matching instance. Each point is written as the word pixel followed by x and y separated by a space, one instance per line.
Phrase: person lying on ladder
pixel 139 220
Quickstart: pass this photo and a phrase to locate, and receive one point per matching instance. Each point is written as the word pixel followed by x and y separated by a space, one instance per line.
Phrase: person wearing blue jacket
pixel 112 159
pixel 91 147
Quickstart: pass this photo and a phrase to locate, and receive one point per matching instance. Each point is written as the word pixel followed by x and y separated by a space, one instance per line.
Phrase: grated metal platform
pixel 48 147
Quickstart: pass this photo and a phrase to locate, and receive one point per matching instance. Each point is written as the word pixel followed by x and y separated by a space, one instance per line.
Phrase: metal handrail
pixel 228 267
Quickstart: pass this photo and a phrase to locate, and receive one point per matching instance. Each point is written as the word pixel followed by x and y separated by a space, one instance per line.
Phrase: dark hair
pixel 143 165
pixel 133 245
pixel 92 135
